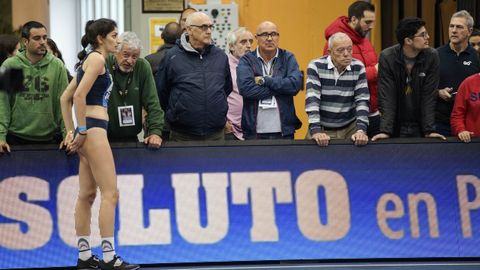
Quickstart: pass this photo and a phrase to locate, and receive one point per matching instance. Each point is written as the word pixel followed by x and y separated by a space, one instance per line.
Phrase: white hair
pixel 464 14
pixel 131 40
pixel 338 35
pixel 232 36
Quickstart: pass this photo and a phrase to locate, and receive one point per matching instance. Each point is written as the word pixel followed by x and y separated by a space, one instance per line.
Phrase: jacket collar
pixel 341 25
pixel 183 43
pixel 450 50
pixel 420 58
pixel 165 46
pixel 257 52
pixel 330 64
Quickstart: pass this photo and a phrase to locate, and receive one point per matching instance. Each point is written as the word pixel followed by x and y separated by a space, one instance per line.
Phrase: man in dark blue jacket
pixel 268 79
pixel 193 83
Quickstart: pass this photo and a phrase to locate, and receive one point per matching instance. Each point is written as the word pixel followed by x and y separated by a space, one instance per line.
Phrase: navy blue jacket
pixel 284 84
pixel 453 70
pixel 193 88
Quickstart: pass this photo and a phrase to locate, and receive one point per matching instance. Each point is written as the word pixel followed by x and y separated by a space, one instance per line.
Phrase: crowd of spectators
pixel 191 90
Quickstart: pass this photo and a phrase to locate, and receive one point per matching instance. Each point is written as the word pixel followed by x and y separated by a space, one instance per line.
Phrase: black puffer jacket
pixel 193 88
pixel 392 77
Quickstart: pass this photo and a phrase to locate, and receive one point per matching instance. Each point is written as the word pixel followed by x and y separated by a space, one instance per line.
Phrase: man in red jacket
pixel 360 20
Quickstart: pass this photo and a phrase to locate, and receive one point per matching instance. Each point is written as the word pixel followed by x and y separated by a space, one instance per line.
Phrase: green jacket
pixel 141 93
pixel 34 114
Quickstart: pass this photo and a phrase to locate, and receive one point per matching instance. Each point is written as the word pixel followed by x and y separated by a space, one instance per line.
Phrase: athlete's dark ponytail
pixel 93 29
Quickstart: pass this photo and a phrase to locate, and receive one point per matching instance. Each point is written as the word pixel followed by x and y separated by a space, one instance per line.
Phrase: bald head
pixel 266 25
pixel 267 39
pixel 198 18
pixel 337 37
pixel 199 30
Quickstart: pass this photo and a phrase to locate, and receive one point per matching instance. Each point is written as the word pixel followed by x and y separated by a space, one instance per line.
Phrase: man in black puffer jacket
pixel 408 77
pixel 193 83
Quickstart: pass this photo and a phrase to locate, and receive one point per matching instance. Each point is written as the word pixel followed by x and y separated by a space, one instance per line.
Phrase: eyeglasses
pixel 422 35
pixel 267 35
pixel 204 27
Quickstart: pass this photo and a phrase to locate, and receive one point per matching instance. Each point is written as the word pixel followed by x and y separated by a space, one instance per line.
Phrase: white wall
pixel 68 19
pixel 65 29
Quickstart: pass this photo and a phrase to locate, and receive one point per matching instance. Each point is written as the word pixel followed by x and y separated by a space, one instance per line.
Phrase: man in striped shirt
pixel 337 100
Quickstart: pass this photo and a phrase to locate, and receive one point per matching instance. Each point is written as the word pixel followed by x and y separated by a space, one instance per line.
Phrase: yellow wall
pixel 301 24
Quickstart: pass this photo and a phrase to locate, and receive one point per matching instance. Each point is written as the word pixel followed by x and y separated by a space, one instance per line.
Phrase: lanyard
pixel 268 69
pixel 122 91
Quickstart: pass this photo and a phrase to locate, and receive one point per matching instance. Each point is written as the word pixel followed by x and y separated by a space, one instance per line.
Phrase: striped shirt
pixel 335 100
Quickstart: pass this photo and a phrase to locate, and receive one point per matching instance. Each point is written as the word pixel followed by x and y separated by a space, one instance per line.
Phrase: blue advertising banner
pixel 252 203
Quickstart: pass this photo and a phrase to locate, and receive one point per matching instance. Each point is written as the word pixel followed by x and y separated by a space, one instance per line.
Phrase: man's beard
pixel 359 30
pixel 126 70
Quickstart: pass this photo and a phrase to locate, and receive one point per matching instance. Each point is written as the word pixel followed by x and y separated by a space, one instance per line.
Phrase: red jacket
pixel 466 111
pixel 362 50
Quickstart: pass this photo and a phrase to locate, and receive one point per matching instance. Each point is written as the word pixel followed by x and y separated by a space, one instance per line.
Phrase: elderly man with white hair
pixel 239 41
pixel 337 99
pixel 133 91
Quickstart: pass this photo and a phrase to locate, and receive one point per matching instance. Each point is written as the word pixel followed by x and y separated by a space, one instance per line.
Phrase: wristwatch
pixel 261 81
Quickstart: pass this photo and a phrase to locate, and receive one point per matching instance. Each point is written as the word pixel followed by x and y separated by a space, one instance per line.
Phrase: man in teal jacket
pixel 133 90
pixel 33 116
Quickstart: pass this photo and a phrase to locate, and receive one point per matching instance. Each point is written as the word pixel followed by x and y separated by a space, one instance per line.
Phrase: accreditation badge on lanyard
pixel 268 103
pixel 126 116
pixel 271 102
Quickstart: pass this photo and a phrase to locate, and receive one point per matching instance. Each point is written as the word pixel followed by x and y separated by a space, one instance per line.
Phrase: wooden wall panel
pixel 27 10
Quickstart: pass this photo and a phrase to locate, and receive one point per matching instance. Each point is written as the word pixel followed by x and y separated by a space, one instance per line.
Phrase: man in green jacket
pixel 33 116
pixel 133 90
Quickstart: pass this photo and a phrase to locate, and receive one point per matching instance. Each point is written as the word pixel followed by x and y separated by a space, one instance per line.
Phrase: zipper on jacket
pixel 280 116
pixel 278 105
pixel 255 115
pixel 204 96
